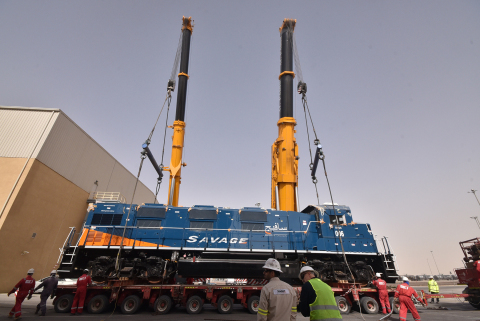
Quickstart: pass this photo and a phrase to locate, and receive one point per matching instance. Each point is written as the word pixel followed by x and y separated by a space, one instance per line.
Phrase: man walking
pixel 79 299
pixel 278 300
pixel 382 293
pixel 404 294
pixel 49 288
pixel 317 299
pixel 25 288
pixel 433 288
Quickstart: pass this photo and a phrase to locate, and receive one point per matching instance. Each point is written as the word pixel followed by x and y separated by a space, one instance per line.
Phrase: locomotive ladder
pixel 66 244
pixel 388 256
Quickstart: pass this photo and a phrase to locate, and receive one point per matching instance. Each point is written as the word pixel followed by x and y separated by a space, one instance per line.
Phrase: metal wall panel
pixel 67 149
pixel 21 130
pixel 76 156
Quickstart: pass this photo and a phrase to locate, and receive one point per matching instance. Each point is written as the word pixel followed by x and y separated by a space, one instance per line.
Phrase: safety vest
pixel 324 307
pixel 433 286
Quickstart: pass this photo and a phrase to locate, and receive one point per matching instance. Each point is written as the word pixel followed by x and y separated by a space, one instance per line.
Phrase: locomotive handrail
pixel 188 228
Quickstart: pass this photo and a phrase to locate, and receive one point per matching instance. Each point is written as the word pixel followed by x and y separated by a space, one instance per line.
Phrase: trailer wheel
pixel 64 303
pixel 369 305
pixel 163 304
pixel 130 305
pixel 194 304
pixel 395 307
pixel 98 304
pixel 343 306
pixel 225 305
pixel 473 300
pixel 253 303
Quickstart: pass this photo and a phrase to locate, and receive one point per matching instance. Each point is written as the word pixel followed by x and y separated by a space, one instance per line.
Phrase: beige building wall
pixel 47 169
pixel 37 221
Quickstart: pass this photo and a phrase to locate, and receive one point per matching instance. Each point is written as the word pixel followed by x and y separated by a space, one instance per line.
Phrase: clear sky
pixel 393 86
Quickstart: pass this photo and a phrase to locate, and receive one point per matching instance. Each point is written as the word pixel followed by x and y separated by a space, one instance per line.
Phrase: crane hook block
pixel 302 87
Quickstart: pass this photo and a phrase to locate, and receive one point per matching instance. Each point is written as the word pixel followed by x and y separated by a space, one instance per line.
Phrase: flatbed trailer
pixel 129 297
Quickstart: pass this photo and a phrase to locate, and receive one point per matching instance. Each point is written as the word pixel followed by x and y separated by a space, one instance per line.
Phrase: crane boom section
pixel 179 123
pixel 285 150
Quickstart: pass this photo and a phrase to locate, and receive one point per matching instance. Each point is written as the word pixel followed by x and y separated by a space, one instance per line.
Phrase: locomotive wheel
pixel 163 304
pixel 253 303
pixel 395 307
pixel 98 304
pixel 64 303
pixel 225 305
pixel 130 305
pixel 194 304
pixel 343 306
pixel 369 305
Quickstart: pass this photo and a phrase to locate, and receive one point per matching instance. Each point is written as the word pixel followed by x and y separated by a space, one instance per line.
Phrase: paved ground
pixel 456 310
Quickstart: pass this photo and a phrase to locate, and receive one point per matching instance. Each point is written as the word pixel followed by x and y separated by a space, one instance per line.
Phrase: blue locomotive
pixel 206 241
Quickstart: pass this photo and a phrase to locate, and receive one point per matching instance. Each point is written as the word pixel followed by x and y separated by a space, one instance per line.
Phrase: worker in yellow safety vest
pixel 317 299
pixel 433 288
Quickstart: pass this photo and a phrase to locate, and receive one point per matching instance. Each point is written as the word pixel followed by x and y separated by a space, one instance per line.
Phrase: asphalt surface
pixel 451 309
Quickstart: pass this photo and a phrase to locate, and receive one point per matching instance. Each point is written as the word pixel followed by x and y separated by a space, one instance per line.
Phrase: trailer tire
pixel 225 304
pixel 395 307
pixel 64 303
pixel 194 304
pixel 369 305
pixel 130 304
pixel 253 303
pixel 163 304
pixel 343 306
pixel 98 304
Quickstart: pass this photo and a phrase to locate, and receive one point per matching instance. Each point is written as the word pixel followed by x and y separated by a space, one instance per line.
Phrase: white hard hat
pixel 405 279
pixel 31 271
pixel 272 264
pixel 305 269
pixel 378 275
pixel 53 272
pixel 430 277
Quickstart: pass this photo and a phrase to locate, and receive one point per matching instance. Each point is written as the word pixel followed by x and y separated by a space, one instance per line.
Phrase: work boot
pixel 37 309
pixel 438 300
pixel 432 301
pixel 42 315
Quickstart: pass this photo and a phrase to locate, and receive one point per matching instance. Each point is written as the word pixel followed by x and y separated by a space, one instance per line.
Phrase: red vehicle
pixel 470 275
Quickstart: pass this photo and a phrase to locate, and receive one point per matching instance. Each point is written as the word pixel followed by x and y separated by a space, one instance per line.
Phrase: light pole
pixel 473 192
pixel 476 220
pixel 435 262
pixel 429 267
pixel 475 217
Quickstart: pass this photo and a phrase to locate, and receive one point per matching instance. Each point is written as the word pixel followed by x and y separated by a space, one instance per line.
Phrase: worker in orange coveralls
pixel 404 294
pixel 25 288
pixel 382 293
pixel 79 299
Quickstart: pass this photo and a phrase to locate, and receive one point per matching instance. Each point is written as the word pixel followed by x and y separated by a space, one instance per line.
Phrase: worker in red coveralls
pixel 382 293
pixel 79 299
pixel 25 288
pixel 404 294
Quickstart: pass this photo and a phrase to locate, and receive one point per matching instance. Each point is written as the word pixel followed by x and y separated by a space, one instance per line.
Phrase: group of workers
pixel 278 300
pixel 26 288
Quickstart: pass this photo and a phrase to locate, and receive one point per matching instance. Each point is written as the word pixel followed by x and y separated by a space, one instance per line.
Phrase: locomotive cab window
pixel 201 225
pixel 253 226
pixel 149 223
pixel 337 219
